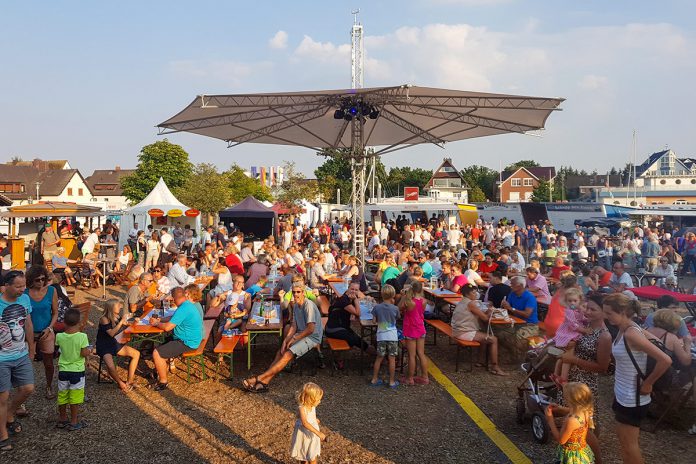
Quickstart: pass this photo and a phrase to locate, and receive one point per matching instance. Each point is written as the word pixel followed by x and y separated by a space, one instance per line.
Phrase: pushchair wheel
pixel 519 410
pixel 540 429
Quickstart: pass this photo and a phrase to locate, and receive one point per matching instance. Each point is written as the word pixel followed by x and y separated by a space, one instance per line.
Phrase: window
pixel 678 181
pixel 662 182
pixel 447 169
pixel 693 181
pixel 79 192
pixel 11 188
pixel 440 182
pixel 69 191
pixel 516 182
pixel 527 182
pixel 105 187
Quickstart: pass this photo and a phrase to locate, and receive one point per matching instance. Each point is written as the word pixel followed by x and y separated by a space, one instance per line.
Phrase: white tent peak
pixel 160 197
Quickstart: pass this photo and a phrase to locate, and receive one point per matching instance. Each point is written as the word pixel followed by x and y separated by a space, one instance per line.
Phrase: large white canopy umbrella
pixel 344 122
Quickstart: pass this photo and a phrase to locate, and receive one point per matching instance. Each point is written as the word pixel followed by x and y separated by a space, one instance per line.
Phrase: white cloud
pixel 322 51
pixel 279 41
pixel 593 82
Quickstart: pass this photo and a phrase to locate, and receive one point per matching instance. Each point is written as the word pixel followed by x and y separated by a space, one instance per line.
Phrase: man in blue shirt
pixel 187 327
pixel 17 349
pixel 304 335
pixel 522 303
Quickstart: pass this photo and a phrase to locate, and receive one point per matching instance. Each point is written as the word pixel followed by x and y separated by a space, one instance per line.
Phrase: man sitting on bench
pixel 304 335
pixel 187 325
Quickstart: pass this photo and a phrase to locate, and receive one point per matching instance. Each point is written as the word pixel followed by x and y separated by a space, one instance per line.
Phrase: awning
pixel 52 209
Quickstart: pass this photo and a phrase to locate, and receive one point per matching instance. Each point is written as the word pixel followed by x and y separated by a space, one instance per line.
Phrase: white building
pixel 447 184
pixel 105 185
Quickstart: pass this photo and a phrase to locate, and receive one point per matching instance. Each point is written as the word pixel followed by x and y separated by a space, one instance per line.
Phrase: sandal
pixel 480 365
pixel 692 430
pixel 61 424
pixel 5 445
pixel 248 386
pixel 14 427
pixel 406 381
pixel 379 383
pixel 421 380
pixel 80 425
pixel 50 394
pixel 498 371
pixel 262 389
pixel 21 411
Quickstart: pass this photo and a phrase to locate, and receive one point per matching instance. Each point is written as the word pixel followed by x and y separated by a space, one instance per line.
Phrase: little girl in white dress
pixel 305 445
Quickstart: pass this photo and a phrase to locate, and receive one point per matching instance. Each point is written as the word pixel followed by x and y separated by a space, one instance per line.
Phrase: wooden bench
pixel 446 329
pixel 214 312
pixel 197 354
pixel 337 346
pixel 225 347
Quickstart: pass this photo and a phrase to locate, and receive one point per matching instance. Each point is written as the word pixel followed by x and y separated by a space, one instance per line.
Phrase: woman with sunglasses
pixel 44 314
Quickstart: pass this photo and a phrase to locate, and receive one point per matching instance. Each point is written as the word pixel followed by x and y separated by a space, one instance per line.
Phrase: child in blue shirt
pixel 385 315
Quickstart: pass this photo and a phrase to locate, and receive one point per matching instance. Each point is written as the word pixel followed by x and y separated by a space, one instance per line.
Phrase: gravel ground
pixel 216 422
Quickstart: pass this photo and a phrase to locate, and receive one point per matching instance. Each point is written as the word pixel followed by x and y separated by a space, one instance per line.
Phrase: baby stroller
pixel 537 390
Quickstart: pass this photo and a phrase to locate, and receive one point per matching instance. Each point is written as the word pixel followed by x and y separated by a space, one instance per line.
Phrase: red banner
pixel 410 193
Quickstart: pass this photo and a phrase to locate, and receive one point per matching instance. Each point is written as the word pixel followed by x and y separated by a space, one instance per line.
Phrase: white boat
pixel 561 215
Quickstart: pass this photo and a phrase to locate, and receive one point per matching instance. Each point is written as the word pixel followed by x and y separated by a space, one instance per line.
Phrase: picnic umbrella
pixel 344 122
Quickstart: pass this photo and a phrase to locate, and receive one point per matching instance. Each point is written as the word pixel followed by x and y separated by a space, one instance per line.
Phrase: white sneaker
pixel 692 430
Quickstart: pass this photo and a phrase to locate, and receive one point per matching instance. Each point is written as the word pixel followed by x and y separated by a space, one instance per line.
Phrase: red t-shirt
pixel 234 264
pixel 460 280
pixel 486 269
pixel 556 271
pixel 475 233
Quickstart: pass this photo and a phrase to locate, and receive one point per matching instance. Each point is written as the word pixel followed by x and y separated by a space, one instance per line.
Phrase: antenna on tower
pixel 356 52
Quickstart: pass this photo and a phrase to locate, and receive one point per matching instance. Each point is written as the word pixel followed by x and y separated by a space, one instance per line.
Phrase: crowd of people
pixel 574 289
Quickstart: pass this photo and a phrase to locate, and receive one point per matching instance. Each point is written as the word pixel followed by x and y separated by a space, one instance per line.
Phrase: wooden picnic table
pixel 142 330
pixel 256 327
pixel 204 281
pixel 339 288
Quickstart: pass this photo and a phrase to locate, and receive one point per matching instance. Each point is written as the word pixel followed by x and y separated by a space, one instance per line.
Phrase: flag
pixel 263 175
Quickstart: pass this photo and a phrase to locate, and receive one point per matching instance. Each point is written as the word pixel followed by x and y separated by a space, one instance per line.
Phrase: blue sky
pixel 88 81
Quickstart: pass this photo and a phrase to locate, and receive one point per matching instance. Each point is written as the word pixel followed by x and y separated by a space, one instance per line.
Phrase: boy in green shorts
pixel 74 348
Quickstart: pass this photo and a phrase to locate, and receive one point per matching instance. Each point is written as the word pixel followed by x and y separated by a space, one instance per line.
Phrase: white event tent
pixel 159 200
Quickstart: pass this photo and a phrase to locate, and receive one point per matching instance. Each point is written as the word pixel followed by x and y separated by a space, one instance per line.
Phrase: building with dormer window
pixel 447 184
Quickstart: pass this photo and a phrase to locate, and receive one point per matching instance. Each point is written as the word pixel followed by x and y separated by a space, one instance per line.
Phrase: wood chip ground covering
pixel 214 421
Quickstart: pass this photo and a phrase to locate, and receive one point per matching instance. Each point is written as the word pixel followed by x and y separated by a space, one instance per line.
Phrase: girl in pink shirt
pixel 412 307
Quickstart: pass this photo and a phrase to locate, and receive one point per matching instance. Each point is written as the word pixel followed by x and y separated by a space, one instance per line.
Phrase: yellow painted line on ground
pixel 480 419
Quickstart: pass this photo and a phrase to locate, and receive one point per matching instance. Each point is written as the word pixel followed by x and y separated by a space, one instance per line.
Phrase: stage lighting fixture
pixel 348 117
pixel 374 113
pixel 339 114
pixel 366 109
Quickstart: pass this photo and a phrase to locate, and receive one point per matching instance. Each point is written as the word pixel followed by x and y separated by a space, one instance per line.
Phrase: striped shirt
pixel 625 378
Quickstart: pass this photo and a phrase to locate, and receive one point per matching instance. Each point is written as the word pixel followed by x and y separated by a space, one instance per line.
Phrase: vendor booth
pixel 251 217
pixel 161 209
pixel 54 211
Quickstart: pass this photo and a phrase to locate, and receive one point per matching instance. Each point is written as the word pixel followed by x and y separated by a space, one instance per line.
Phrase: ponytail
pixel 621 304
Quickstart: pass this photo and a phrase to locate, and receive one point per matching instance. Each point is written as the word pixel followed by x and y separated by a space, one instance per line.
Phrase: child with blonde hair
pixel 412 306
pixel 572 438
pixel 574 326
pixel 305 445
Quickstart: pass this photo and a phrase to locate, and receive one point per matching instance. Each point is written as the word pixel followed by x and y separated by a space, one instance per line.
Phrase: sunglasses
pixel 40 279
pixel 300 292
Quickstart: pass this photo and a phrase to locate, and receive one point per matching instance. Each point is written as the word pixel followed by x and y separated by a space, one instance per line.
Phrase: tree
pixel 541 193
pixel 296 188
pixel 476 195
pixel 482 177
pixel 522 164
pixel 160 159
pixel 334 174
pixel 206 190
pixel 15 160
pixel 241 186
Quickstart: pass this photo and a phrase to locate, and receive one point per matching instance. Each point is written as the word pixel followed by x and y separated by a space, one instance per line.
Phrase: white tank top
pixel 625 377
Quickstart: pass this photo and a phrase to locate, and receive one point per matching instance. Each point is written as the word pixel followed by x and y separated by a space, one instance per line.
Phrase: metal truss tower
pixel 358 162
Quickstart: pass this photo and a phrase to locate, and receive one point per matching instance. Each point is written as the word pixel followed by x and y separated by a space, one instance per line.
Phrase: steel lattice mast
pixel 358 163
